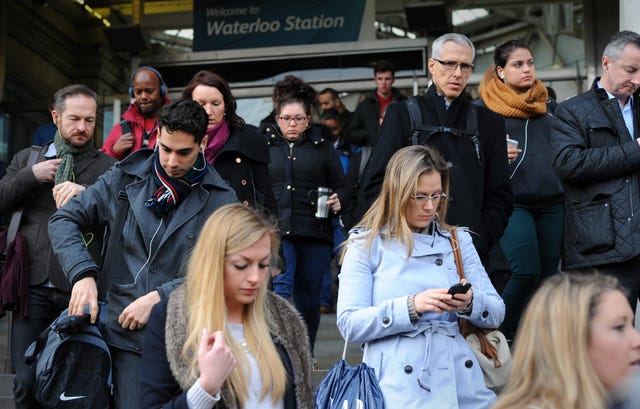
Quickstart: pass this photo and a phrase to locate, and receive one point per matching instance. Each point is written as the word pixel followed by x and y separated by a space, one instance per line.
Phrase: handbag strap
pixel 466 327
pixel 457 254
pixel 16 218
pixel 344 350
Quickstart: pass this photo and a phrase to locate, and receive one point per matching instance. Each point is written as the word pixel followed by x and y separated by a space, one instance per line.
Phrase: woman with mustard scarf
pixel 533 237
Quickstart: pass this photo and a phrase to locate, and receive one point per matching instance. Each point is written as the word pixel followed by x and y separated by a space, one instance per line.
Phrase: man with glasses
pixel 594 139
pixel 471 138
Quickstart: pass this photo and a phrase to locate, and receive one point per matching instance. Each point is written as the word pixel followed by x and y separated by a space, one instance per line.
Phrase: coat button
pixel 408 369
pixel 386 320
pixel 439 262
pixel 189 235
pixel 138 347
pixel 468 363
pixel 238 160
pixel 485 314
pixel 243 182
pixel 246 203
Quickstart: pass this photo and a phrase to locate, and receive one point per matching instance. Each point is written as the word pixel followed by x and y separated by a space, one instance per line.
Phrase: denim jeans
pixel 307 262
pixel 45 304
pixel 531 243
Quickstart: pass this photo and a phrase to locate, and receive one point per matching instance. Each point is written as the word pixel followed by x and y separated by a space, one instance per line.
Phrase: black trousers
pixel 45 304
pixel 628 273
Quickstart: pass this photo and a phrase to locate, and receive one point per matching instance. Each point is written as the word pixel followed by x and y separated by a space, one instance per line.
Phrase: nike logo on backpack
pixel 65 398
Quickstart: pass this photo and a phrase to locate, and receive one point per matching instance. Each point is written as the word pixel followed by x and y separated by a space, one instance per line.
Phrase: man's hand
pixel 63 192
pixel 136 315
pixel 124 144
pixel 45 171
pixel 84 292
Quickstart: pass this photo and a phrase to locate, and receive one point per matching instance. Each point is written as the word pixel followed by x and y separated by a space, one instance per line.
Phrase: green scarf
pixel 68 154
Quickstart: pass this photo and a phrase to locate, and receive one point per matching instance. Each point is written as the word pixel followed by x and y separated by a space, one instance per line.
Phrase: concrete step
pixel 330 344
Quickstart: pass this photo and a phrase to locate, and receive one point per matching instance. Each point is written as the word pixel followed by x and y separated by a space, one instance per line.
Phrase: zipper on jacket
pixel 628 180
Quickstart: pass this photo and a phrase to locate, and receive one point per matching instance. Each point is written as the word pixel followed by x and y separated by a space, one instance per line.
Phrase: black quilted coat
pixel 598 162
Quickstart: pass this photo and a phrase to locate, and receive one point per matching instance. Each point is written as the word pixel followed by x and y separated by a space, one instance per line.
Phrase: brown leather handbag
pixel 489 345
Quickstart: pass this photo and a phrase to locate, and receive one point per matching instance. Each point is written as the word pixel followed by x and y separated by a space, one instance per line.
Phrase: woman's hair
pixel 211 79
pixel 230 229
pixel 387 215
pixel 551 365
pixel 503 51
pixel 293 90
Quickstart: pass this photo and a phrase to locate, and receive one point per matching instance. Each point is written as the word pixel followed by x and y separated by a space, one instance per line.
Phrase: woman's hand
pixel 512 152
pixel 334 203
pixel 461 301
pixel 434 300
pixel 215 360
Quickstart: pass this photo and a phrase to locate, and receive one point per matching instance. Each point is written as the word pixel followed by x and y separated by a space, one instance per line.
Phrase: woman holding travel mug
pixel 303 165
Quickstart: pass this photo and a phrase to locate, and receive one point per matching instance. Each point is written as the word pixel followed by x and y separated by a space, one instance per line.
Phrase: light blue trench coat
pixel 427 364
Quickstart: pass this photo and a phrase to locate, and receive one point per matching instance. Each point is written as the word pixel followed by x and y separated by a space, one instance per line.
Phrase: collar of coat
pixel 139 164
pixel 285 326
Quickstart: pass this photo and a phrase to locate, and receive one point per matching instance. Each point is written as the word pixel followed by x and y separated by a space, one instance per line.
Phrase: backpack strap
pixel 415 118
pixel 16 217
pixel 418 127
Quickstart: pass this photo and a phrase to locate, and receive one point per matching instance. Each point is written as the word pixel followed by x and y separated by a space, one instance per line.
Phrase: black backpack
pixel 73 365
pixel 72 359
pixel 420 133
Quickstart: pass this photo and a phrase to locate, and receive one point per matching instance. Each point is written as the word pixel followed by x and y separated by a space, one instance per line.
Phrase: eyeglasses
pixel 425 198
pixel 297 119
pixel 453 65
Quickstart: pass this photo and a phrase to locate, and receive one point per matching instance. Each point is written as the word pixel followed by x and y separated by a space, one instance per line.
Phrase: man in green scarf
pixel 63 168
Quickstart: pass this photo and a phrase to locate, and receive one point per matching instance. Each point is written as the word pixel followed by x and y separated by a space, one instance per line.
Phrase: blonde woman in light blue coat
pixel 397 268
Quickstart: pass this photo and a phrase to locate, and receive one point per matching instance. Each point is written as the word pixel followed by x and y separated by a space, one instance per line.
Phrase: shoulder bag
pixel 489 345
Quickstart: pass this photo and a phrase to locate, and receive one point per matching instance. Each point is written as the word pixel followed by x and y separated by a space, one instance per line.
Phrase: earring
pixel 501 75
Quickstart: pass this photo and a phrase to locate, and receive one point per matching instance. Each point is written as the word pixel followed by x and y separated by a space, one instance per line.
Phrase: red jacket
pixel 136 120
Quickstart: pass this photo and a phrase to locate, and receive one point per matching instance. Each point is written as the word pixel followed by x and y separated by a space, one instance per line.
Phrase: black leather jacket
pixel 598 162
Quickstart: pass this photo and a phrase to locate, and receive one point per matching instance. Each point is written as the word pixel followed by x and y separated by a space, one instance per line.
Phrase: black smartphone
pixel 459 288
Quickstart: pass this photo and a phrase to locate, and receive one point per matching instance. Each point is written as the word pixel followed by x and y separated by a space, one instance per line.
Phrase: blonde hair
pixel 228 230
pixel 387 216
pixel 551 364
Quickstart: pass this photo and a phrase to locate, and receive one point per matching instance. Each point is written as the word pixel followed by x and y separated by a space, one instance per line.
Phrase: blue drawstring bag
pixel 349 387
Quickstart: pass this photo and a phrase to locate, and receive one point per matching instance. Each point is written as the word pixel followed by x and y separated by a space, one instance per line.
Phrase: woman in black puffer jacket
pixel 302 160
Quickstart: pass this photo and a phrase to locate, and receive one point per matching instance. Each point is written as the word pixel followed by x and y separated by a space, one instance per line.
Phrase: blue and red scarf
pixel 171 191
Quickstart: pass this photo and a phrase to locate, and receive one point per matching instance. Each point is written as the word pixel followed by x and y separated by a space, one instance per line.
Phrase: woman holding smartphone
pixel 532 239
pixel 398 291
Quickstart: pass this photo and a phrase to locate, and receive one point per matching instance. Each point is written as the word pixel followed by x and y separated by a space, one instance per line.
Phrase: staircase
pixel 6 379
pixel 329 346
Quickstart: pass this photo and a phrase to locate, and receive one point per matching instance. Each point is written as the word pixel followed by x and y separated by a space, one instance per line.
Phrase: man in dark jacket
pixel 365 123
pixel 169 193
pixel 474 145
pixel 65 166
pixel 595 138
